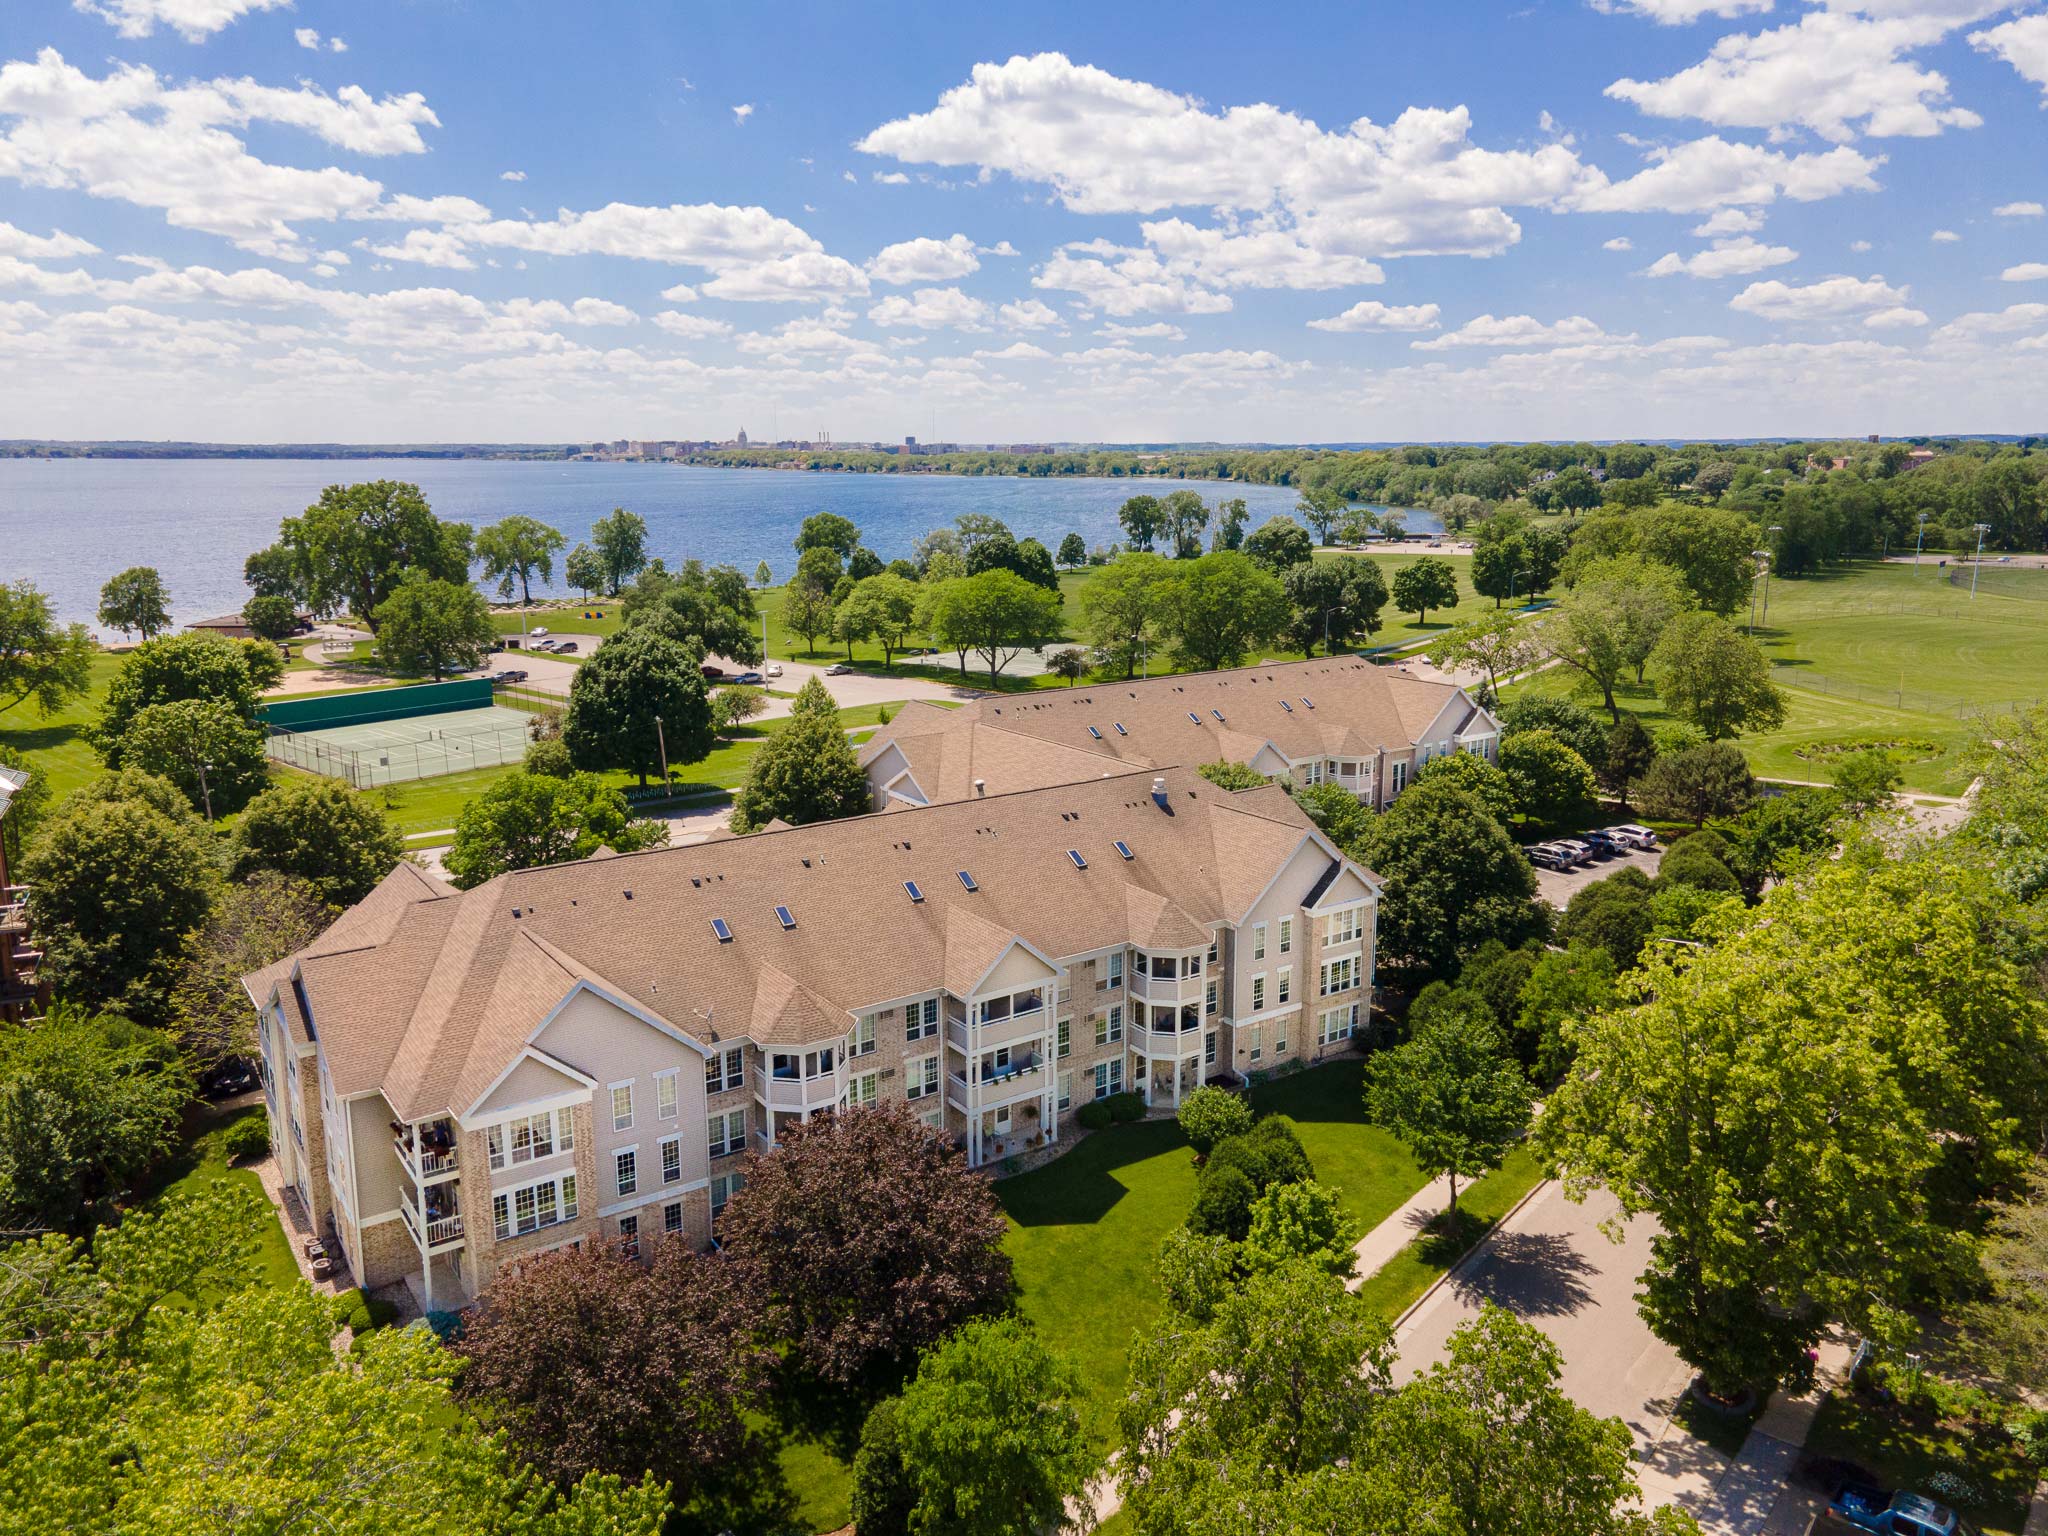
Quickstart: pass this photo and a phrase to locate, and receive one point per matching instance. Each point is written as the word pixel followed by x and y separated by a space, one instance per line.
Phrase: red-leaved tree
pixel 593 1363
pixel 863 1239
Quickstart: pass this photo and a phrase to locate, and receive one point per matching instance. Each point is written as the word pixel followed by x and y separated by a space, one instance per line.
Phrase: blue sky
pixel 256 220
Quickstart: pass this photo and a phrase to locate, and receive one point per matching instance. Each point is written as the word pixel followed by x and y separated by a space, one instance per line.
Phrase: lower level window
pixel 629 1236
pixel 534 1206
pixel 723 1188
pixel 672 1217
pixel 1109 1078
pixel 1066 1089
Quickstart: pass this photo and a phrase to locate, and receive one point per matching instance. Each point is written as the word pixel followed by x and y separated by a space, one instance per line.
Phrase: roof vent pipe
pixel 981 786
pixel 1159 797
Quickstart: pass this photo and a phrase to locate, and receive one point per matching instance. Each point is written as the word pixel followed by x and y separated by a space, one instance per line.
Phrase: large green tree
pixel 1140 517
pixel 174 668
pixel 88 1105
pixel 257 922
pixel 828 530
pixel 119 875
pixel 619 544
pixel 1498 644
pixel 882 609
pixel 806 771
pixel 201 745
pixel 1694 783
pixel 708 607
pixel 1794 1103
pixel 639 699
pixel 516 549
pixel 528 819
pixel 996 615
pixel 40 659
pixel 1425 584
pixel 336 839
pixel 434 626
pixel 1335 602
pixel 350 549
pixel 1710 673
pixel 1221 607
pixel 135 602
pixel 1454 879
pixel 1280 542
pixel 1122 608
pixel 1610 621
pixel 1454 1095
pixel 1551 783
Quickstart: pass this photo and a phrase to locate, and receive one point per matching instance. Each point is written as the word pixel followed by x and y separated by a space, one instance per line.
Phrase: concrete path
pixel 1379 1246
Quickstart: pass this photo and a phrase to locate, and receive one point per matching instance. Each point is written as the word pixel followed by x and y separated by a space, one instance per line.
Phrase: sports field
pixel 396 751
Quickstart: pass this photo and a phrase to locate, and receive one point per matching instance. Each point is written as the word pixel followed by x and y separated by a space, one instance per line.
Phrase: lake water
pixel 69 524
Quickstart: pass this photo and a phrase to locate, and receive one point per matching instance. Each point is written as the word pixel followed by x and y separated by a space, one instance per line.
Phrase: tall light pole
pixel 1773 560
pixel 661 739
pixel 1919 537
pixel 205 794
pixel 1762 557
pixel 1512 578
pixel 1982 529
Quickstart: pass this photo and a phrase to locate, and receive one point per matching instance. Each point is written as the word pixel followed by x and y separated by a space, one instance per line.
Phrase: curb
pixel 1459 1263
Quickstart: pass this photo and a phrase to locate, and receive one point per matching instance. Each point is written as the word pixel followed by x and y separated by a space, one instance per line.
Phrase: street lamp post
pixel 661 739
pixel 1762 557
pixel 1919 538
pixel 1513 577
pixel 1773 560
pixel 1982 529
pixel 205 794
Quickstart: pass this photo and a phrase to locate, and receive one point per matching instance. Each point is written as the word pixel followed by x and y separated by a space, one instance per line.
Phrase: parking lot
pixel 1556 886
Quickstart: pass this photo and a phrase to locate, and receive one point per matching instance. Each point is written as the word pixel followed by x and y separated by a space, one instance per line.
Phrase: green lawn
pixel 202 1162
pixel 1904 1448
pixel 1400 1282
pixel 55 744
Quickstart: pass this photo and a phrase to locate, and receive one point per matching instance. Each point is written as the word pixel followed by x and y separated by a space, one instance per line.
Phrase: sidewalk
pixel 1379 1246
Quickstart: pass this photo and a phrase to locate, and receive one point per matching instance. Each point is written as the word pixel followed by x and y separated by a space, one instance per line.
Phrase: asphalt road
pixel 1558 886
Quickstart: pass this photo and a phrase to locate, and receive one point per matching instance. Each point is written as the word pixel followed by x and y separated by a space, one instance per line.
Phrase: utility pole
pixel 1761 557
pixel 205 794
pixel 1982 529
pixel 661 738
pixel 1919 538
pixel 1773 560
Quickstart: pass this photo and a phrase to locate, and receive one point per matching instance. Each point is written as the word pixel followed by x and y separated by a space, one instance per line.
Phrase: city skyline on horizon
pixel 249 221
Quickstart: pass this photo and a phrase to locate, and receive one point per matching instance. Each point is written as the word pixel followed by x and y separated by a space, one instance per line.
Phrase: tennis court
pixel 397 734
pixel 2027 582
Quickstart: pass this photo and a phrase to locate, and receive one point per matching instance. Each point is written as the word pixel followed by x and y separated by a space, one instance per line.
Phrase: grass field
pixel 202 1162
pixel 56 743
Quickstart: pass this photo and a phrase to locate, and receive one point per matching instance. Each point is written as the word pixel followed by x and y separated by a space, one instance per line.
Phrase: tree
pixel 828 530
pixel 1714 480
pixel 1477 777
pixel 350 549
pixel 1425 584
pixel 1611 915
pixel 1140 518
pixel 135 602
pixel 88 1105
pixel 212 754
pixel 39 658
pixel 995 615
pixel 1073 551
pixel 902 1243
pixel 1708 546
pixel 1562 987
pixel 1220 607
pixel 1278 543
pixel 257 922
pixel 620 544
pixel 272 572
pixel 1454 1096
pixel 1767 1100
pixel 1697 861
pixel 174 668
pixel 320 831
pixel 863 563
pixel 807 611
pixel 584 570
pixel 1225 774
pixel 1500 559
pixel 1123 606
pixel 1301 1222
pixel 2003 1331
pixel 731 708
pixel 516 549
pixel 129 1411
pixel 119 874
pixel 1454 879
pixel 1498 644
pixel 1551 782
pixel 639 701
pixel 880 608
pixel 1773 838
pixel 1711 779
pixel 271 618
pixel 1630 752
pixel 26 806
pixel 1866 779
pixel 1208 1114
pixel 527 820
pixel 884 1492
pixel 989 1434
pixel 1182 517
pixel 1321 506
pixel 432 626
pixel 1571 723
pixel 1710 673
pixel 1610 621
pixel 805 772
pixel 594 1363
pixel 1334 601
pixel 1070 663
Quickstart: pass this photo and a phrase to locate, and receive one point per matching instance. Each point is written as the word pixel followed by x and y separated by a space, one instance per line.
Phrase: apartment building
pixel 22 994
pixel 1337 720
pixel 459 1080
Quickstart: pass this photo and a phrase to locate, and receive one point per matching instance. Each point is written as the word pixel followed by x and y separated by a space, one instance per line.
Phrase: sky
pixel 509 220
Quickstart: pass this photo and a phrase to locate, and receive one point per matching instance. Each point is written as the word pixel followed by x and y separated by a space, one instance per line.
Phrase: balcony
pixel 441 1228
pixel 1029 1025
pixel 783 1090
pixel 437 1158
pixel 1166 1041
pixel 1168 989
pixel 1021 1079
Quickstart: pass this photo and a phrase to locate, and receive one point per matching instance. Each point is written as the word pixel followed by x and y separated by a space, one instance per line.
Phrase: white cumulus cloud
pixel 54 246
pixel 929 309
pixel 1029 315
pixel 1517 331
pixel 1829 299
pixel 193 20
pixel 924 260
pixel 676 323
pixel 1725 258
pixel 2023 44
pixel 1618 243
pixel 1372 315
pixel 2025 272
pixel 1675 13
pixel 2019 211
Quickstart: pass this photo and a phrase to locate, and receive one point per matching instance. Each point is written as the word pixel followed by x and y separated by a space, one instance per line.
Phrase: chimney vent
pixel 981 786
pixel 1159 796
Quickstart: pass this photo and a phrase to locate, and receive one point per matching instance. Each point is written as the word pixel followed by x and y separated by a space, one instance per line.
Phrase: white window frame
pixel 1113 974
pixel 1286 935
pixel 1258 992
pixel 1258 941
pixel 672 1219
pixel 921 1077
pixel 625 1123
pixel 725 1069
pixel 921 1019
pixel 1258 1038
pixel 562 1188
pixel 1339 975
pixel 1283 986
pixel 671 1152
pixel 626 1171
pixel 863 1090
pixel 860 1040
pixel 667 1101
pixel 629 1236
pixel 1066 1091
pixel 728 1132
pixel 1063 1038
pixel 723 1188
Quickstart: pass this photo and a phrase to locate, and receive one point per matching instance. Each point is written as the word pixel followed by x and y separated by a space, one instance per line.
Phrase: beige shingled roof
pixel 433 1011
pixel 1304 709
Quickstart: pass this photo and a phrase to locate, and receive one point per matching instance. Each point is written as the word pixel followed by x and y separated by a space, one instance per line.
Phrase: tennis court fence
pixel 438 751
pixel 1895 698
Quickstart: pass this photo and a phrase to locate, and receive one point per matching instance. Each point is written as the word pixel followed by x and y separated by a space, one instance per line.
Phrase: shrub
pixel 1125 1107
pixel 1208 1115
pixel 1094 1115
pixel 1269 1153
pixel 1223 1202
pixel 1698 861
pixel 246 1140
pixel 883 1493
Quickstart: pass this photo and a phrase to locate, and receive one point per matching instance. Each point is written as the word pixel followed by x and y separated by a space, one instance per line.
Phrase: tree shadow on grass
pixel 1080 1186
pixel 750 1498
pixel 1330 1093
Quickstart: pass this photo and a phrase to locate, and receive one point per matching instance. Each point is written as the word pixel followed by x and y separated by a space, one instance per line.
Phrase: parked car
pixel 1860 1507
pixel 228 1078
pixel 566 648
pixel 1603 846
pixel 838 669
pixel 540 629
pixel 749 679
pixel 773 669
pixel 511 675
pixel 712 674
pixel 1629 835
pixel 1543 856
pixel 1575 852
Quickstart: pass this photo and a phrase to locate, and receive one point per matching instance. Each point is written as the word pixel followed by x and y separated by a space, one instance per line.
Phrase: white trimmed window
pixel 1258 941
pixel 920 1077
pixel 1286 935
pixel 1209 1049
pixel 626 1170
pixel 622 1106
pixel 533 1206
pixel 1258 1042
pixel 672 1218
pixel 725 1069
pixel 1280 1038
pixel 1066 1089
pixel 1066 1037
pixel 861 1041
pixel 921 1019
pixel 1338 975
pixel 728 1133
pixel 1109 1078
pixel 1344 927
pixel 665 1095
pixel 629 1236
pixel 1400 779
pixel 672 1160
pixel 1113 973
pixel 1258 992
pixel 530 1136
pixel 863 1090
pixel 723 1188
pixel 1109 1027
pixel 1283 985
pixel 1209 998
pixel 1334 1024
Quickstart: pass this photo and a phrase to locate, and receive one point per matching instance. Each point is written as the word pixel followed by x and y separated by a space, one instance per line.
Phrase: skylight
pixel 1217 713
pixel 1075 855
pixel 1095 733
pixel 968 881
pixel 1123 848
pixel 1194 717
pixel 1287 706
pixel 720 927
pixel 1119 727
pixel 784 917
pixel 1311 703
pixel 911 887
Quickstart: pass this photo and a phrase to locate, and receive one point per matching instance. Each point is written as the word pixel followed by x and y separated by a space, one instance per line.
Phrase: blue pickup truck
pixel 1860 1507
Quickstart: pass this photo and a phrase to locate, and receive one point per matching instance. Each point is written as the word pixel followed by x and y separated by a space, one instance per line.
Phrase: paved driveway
pixel 1557 886
pixel 1553 1267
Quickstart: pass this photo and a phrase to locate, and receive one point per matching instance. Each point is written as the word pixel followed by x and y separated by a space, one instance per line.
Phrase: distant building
pixel 22 993
pixel 741 440
pixel 231 626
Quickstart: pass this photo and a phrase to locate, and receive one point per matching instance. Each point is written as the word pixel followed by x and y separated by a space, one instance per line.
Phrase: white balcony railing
pixel 803 1093
pixel 431 1162
pixel 439 1232
pixel 1168 989
pixel 1167 1042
